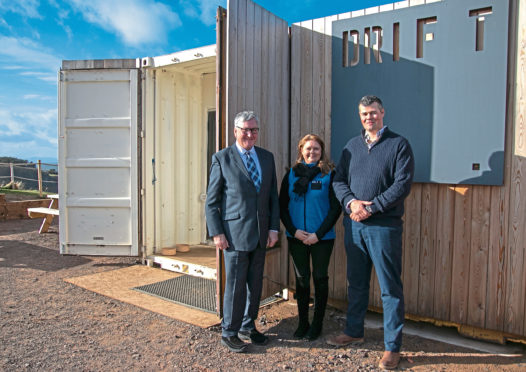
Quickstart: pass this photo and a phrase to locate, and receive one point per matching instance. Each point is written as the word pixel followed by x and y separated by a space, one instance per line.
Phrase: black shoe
pixel 301 331
pixel 253 336
pixel 234 344
pixel 313 333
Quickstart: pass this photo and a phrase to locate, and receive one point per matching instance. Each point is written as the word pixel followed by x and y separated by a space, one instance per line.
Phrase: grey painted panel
pixel 450 103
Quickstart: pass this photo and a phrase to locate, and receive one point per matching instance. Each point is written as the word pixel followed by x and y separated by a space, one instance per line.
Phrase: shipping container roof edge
pixel 144 62
pixel 86 64
pixel 179 57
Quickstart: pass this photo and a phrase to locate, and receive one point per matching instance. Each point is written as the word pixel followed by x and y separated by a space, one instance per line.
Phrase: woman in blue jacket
pixel 309 209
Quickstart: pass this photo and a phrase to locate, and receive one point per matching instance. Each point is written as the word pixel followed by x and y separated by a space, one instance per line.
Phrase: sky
pixel 36 35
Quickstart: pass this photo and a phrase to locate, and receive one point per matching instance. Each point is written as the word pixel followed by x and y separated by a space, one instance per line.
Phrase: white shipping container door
pixel 98 162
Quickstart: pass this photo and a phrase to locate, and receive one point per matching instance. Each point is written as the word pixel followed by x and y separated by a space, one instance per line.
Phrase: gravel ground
pixel 47 324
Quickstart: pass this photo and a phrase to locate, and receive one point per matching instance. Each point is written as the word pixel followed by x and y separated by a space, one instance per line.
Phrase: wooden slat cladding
pixel 479 255
pixel 411 244
pixel 515 320
pixel 220 78
pixel 258 74
pixel 514 317
pixel 311 50
pixel 461 245
pixel 258 79
pixel 443 252
pixel 428 232
pixel 464 254
pixel 519 151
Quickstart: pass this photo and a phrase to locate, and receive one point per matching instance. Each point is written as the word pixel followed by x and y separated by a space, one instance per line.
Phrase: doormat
pixel 187 290
pixel 192 291
pixel 119 284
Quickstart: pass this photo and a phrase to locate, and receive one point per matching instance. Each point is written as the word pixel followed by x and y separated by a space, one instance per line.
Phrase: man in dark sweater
pixel 373 177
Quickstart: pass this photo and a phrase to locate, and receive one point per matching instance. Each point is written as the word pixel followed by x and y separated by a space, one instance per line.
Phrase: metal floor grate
pixel 191 291
pixel 186 290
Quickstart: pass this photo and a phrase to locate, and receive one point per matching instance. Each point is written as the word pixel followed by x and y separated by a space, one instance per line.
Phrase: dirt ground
pixel 47 324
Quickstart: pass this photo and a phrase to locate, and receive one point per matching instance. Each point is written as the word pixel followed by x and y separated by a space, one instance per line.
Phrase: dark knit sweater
pixel 382 174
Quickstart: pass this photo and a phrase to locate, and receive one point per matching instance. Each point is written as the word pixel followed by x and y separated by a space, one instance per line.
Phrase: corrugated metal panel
pixel 98 162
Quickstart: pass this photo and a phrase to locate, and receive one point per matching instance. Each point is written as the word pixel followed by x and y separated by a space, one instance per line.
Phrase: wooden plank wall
pixel 258 79
pixel 464 255
pixel 514 318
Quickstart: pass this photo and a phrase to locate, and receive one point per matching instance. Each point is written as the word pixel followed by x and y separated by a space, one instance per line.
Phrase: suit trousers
pixel 244 281
pixel 368 244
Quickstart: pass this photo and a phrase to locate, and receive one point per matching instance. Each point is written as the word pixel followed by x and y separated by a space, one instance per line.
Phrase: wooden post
pixel 39 168
pixel 12 173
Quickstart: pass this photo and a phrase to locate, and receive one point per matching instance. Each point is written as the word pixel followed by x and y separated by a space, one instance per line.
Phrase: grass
pixel 34 193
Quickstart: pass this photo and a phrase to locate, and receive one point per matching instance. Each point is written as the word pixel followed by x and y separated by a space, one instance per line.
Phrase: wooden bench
pixel 46 213
pixel 41 212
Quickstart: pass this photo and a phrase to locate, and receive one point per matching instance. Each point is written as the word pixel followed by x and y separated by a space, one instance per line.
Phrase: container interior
pixel 179 125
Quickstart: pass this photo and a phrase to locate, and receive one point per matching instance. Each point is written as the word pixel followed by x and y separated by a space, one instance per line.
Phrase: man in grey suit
pixel 242 214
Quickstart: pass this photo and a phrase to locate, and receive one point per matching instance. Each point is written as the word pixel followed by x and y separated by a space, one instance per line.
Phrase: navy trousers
pixel 368 244
pixel 244 281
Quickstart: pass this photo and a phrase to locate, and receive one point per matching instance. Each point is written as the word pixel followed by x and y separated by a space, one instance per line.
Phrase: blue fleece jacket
pixel 315 212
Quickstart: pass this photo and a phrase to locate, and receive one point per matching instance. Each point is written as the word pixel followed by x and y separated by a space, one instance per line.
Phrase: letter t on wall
pixel 479 29
pixel 420 34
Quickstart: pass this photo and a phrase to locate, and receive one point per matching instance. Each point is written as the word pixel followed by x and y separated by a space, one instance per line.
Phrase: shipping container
pixel 136 137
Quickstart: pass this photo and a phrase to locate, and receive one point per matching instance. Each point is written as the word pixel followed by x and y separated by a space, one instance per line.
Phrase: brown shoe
pixel 344 340
pixel 390 360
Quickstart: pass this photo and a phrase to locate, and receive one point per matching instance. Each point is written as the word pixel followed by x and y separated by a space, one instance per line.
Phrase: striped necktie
pixel 253 171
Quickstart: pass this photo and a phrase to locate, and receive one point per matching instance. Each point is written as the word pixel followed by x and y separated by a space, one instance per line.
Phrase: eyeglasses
pixel 245 131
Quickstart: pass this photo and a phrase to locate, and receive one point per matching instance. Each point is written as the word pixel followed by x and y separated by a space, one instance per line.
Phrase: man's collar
pixel 379 134
pixel 242 151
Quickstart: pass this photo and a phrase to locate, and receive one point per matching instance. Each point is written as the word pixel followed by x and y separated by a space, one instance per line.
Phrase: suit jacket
pixel 233 205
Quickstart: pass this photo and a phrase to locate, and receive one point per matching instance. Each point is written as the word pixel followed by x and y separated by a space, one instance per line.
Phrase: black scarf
pixel 305 174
